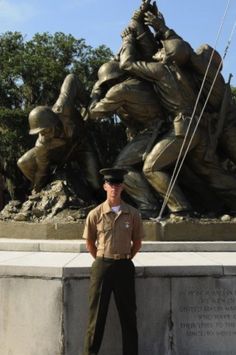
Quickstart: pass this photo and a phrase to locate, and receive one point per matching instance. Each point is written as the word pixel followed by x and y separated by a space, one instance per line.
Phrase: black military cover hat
pixel 115 175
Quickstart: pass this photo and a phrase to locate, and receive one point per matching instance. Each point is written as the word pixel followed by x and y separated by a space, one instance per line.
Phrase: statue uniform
pixel 137 105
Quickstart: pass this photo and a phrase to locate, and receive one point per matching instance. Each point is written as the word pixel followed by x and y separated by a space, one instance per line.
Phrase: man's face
pixel 113 189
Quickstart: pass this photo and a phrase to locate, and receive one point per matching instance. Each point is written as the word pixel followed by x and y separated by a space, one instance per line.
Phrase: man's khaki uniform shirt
pixel 113 232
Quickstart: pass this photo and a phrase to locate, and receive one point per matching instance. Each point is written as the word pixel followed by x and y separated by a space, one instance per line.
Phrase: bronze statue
pixel 177 93
pixel 152 84
pixel 62 138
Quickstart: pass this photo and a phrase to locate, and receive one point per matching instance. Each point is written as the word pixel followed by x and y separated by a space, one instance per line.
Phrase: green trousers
pixel 107 276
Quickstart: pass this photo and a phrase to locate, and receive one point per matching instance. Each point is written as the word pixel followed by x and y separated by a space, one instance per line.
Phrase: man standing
pixel 113 232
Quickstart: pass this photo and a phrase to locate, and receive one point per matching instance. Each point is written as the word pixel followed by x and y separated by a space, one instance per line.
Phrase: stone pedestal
pixel 186 301
pixel 166 230
pixel 186 290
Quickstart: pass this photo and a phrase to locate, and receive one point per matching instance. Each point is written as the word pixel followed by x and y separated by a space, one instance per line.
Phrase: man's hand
pixel 91 247
pixel 135 247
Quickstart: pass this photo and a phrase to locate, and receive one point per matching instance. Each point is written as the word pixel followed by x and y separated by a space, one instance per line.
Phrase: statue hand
pixel 154 9
pixel 137 23
pixel 128 32
pixel 157 22
pixel 146 5
pixel 137 15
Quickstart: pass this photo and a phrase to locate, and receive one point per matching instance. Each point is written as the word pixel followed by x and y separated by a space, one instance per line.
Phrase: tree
pixel 14 141
pixel 11 49
pixel 233 89
pixel 31 72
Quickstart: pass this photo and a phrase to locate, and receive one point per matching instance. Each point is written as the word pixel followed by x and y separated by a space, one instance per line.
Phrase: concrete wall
pixel 31 312
pixel 186 304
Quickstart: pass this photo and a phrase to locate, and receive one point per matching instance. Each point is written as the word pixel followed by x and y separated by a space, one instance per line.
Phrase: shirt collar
pixel 107 207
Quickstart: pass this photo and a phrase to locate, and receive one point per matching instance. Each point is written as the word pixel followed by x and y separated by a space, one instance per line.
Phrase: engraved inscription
pixel 204 316
pixel 210 312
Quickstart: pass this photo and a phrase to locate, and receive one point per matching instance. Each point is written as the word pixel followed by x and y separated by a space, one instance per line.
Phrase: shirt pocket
pixel 126 226
pixel 104 232
pixel 125 234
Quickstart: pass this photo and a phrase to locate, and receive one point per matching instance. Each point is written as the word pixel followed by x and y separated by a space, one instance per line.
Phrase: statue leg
pixel 27 164
pixel 88 163
pixel 163 156
pixel 136 185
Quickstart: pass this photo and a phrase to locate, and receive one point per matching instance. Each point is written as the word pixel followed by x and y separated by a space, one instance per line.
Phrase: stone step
pixel 78 246
pixel 76 265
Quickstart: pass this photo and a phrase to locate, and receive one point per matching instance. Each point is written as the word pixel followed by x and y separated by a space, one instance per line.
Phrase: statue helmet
pixel 206 51
pixel 109 71
pixel 177 50
pixel 41 117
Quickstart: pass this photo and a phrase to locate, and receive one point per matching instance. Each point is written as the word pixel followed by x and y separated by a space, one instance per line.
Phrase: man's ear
pixel 105 186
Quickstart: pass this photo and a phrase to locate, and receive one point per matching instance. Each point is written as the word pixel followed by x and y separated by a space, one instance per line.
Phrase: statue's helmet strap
pixel 41 117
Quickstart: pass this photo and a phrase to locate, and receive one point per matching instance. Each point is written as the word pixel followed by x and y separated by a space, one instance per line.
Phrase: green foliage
pixel 89 64
pixel 233 89
pixel 14 141
pixel 109 137
pixel 31 72
pixel 11 47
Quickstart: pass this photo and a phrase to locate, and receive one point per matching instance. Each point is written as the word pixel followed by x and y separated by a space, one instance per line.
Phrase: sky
pixel 102 21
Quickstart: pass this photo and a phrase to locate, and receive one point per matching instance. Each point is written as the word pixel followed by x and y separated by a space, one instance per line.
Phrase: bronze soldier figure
pixel 137 105
pixel 62 137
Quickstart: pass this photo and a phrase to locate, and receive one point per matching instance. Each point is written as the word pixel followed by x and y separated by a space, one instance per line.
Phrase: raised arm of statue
pixel 102 100
pixel 72 93
pixel 150 71
pixel 145 39
pixel 109 104
pixel 157 22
